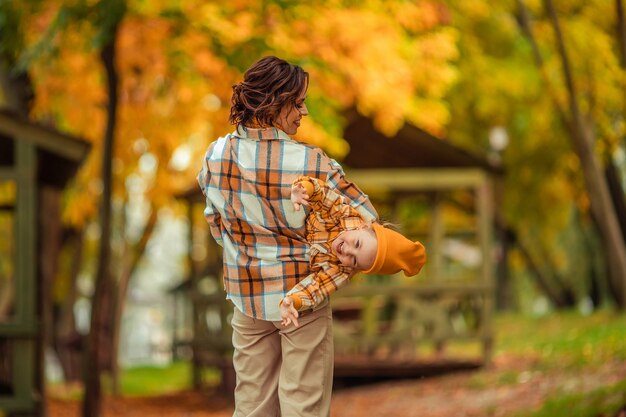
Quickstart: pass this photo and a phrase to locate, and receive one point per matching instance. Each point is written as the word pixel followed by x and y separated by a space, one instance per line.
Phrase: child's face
pixel 356 248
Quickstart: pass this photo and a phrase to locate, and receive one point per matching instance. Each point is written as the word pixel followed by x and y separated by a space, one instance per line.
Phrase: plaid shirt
pixel 246 178
pixel 328 217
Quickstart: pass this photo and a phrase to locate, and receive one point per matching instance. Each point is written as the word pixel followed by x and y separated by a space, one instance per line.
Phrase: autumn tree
pixel 109 15
pixel 179 86
pixel 395 62
pixel 514 78
pixel 15 83
pixel 581 127
pixel 175 66
pixel 498 89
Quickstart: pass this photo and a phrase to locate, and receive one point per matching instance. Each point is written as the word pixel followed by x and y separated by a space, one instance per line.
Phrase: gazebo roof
pixel 410 147
pixel 59 154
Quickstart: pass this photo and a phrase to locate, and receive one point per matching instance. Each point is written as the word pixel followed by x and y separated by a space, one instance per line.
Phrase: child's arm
pixel 328 212
pixel 318 286
pixel 329 206
pixel 356 198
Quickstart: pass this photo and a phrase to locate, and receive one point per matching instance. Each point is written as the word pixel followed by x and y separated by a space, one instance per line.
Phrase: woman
pixel 246 178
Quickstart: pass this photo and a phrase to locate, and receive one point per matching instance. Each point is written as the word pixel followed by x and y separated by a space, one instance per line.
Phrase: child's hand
pixel 288 312
pixel 299 197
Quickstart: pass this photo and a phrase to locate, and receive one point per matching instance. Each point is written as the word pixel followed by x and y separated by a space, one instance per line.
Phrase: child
pixel 342 243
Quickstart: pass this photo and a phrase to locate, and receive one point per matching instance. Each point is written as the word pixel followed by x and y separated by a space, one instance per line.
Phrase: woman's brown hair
pixel 268 85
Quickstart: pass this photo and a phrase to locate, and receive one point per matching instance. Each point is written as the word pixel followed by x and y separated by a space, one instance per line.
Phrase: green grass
pixel 145 381
pixel 560 342
pixel 564 340
pixel 605 401
pixel 151 380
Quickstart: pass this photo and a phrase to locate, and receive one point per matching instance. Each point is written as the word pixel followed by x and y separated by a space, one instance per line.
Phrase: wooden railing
pixel 382 321
pixel 391 320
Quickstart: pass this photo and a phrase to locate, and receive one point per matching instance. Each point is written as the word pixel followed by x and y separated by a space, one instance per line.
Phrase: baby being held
pixel 342 243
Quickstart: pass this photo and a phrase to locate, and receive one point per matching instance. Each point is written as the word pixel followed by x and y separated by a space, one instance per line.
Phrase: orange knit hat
pixel 396 253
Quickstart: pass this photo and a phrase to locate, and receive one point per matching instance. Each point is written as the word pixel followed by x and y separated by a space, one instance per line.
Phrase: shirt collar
pixel 263 133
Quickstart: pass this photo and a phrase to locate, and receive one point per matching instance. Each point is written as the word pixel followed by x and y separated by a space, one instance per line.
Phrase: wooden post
pixel 26 272
pixel 484 210
pixel 435 252
pixel 49 226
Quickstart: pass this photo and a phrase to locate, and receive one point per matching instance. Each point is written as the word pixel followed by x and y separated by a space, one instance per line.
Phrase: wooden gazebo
pixel 35 164
pixel 382 324
pixel 440 194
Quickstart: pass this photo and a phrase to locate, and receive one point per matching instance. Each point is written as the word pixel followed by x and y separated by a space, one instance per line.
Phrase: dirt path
pixel 471 395
pixel 184 404
pixel 508 385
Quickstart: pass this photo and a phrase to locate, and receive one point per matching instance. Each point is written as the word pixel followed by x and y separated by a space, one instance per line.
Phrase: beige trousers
pixel 281 371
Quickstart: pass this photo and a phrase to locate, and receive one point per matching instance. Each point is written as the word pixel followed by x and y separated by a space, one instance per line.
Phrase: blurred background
pixel 494 132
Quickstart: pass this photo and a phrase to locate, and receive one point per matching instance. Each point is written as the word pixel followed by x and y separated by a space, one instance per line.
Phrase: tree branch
pixel 621 32
pixel 523 20
pixel 101 300
pixel 565 62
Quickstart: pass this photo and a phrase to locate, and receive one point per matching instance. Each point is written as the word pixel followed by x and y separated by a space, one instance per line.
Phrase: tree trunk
pixel 601 204
pixel 612 172
pixel 621 31
pixel 92 402
pixel 558 298
pixel 70 344
pixel 594 289
pixel 565 292
pixel 617 194
pixel 600 199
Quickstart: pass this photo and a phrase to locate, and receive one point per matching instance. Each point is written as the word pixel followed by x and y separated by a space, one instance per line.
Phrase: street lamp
pixel 498 141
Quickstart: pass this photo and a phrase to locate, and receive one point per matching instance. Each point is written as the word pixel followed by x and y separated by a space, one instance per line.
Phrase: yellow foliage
pixel 454 69
pixel 418 17
pixel 378 68
pixel 391 60
pixel 477 9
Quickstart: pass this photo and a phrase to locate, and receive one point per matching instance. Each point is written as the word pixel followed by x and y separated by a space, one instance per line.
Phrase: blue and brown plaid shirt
pixel 247 178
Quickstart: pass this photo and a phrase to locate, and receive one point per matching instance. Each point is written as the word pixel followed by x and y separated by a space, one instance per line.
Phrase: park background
pixel 537 87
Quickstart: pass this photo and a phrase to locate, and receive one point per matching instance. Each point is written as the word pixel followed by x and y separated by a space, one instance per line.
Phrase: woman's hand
pixel 288 312
pixel 299 197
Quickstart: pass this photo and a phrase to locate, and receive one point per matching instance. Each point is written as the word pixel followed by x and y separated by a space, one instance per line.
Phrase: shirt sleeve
pixel 319 285
pixel 351 192
pixel 211 214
